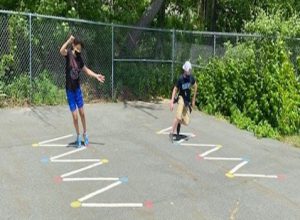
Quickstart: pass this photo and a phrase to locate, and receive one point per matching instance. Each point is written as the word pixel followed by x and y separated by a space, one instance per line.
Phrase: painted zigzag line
pixel 66 177
pixel 230 174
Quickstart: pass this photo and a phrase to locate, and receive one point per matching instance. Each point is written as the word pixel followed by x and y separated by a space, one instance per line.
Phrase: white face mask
pixel 187 73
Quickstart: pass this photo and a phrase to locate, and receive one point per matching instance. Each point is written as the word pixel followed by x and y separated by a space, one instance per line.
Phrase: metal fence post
pixel 112 60
pixel 215 45
pixel 30 56
pixel 173 54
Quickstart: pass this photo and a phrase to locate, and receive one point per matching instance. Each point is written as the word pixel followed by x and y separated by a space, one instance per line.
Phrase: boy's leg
pixel 71 95
pixel 83 121
pixel 178 129
pixel 178 117
pixel 80 104
pixel 186 116
pixel 75 121
pixel 176 122
pixel 76 125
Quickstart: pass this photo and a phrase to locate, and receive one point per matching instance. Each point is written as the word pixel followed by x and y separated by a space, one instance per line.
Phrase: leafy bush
pixel 6 67
pixel 18 92
pixel 255 84
pixel 45 92
pixel 142 81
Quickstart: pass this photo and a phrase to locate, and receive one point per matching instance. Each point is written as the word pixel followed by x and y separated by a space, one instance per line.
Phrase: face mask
pixel 77 53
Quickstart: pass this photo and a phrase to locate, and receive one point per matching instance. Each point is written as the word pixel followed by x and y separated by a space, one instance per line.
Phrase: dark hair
pixel 78 41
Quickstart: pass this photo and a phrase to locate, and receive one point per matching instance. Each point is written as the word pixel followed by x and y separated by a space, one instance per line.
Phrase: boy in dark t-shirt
pixel 183 87
pixel 74 65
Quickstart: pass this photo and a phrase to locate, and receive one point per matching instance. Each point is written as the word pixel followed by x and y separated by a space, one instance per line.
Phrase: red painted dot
pixel 199 157
pixel 57 179
pixel 281 177
pixel 148 204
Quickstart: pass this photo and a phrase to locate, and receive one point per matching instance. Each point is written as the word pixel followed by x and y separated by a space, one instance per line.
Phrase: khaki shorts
pixel 183 113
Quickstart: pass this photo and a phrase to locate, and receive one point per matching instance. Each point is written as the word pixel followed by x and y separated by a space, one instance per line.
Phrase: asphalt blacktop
pixel 132 171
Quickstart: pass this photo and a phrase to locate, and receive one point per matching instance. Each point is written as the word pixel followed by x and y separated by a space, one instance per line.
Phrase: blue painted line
pixel 45 160
pixel 124 179
pixel 246 159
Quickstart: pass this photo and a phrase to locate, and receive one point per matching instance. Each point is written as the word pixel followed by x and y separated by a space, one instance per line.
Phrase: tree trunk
pixel 146 19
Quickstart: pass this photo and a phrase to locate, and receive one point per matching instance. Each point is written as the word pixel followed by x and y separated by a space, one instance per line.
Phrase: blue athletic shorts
pixel 75 99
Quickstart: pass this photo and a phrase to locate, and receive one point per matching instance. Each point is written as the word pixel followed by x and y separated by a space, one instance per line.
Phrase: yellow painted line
pixel 76 204
pixel 229 175
pixel 104 160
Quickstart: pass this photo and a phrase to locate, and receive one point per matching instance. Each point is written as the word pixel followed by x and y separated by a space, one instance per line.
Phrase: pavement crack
pixel 235 210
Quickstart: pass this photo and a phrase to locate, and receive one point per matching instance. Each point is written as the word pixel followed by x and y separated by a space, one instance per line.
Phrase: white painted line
pixel 237 167
pixel 254 175
pixel 57 145
pixel 67 153
pixel 90 179
pixel 81 169
pixel 99 191
pixel 199 145
pixel 209 151
pixel 179 142
pixel 55 139
pixel 164 130
pixel 223 158
pixel 188 134
pixel 74 160
pixel 112 205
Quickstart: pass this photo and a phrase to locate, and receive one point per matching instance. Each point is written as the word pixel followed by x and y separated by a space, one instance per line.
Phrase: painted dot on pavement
pixel 44 160
pixel 148 204
pixel 104 160
pixel 58 179
pixel 76 204
pixel 281 177
pixel 229 175
pixel 199 157
pixel 124 179
pixel 246 159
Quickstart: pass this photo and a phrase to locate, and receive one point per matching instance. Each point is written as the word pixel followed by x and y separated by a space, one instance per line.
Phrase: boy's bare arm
pixel 63 49
pixel 89 72
pixel 172 98
pixel 195 94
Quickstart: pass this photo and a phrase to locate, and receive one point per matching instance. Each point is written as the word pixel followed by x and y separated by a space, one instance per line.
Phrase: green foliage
pixel 18 34
pixel 255 83
pixel 18 92
pixel 142 81
pixel 275 23
pixel 221 15
pixel 45 91
pixel 6 67
pixel 232 14
pixel 18 31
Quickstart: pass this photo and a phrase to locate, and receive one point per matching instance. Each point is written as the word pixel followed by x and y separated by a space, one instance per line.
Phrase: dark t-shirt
pixel 74 65
pixel 184 85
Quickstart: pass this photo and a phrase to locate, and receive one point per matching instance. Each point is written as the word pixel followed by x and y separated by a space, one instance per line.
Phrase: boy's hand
pixel 193 103
pixel 71 39
pixel 171 106
pixel 100 78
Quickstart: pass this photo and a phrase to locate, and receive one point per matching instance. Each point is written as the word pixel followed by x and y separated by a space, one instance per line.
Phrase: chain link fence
pixel 139 63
